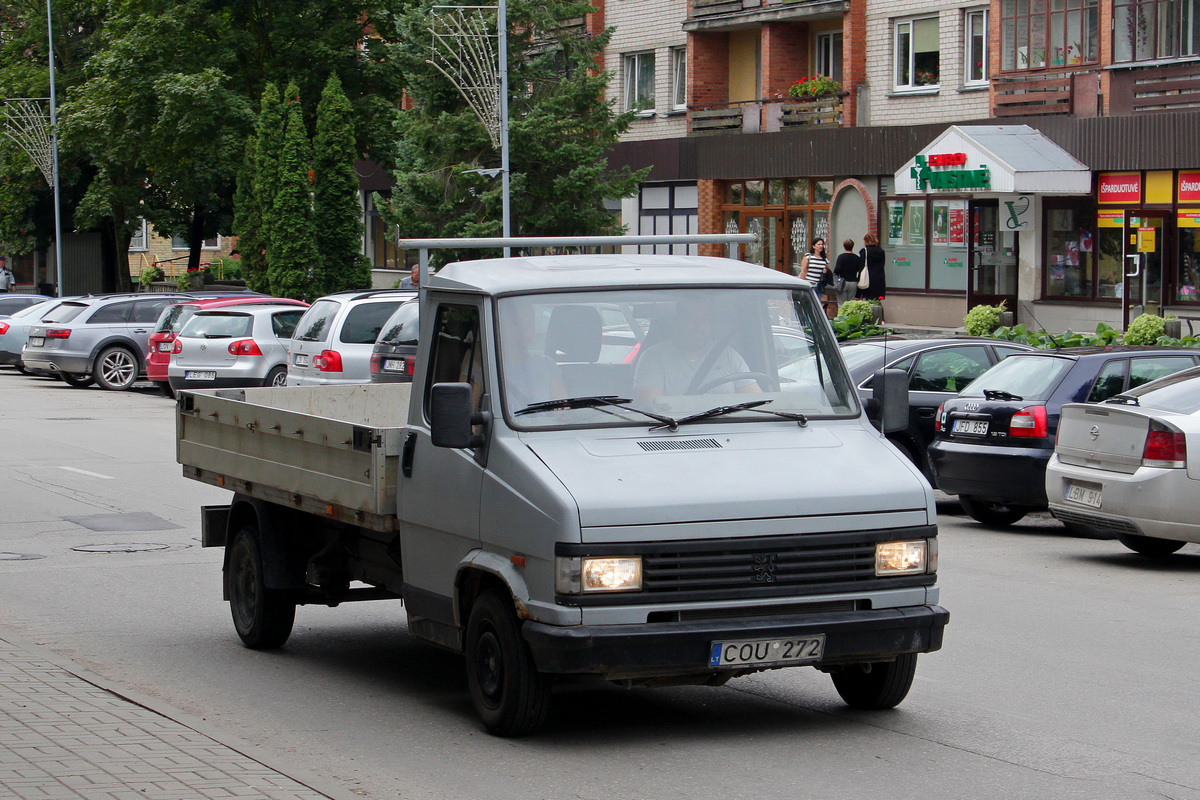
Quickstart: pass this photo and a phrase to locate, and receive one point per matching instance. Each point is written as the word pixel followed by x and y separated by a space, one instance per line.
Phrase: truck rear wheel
pixel 263 617
pixel 510 695
pixel 878 685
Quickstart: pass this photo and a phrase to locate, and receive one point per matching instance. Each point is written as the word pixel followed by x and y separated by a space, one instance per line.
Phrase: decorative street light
pixel 54 146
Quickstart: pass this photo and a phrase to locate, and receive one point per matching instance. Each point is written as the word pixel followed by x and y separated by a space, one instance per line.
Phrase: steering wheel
pixel 740 376
pixel 707 362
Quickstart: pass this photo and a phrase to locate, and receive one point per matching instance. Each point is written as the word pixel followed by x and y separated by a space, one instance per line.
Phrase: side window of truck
pixel 457 356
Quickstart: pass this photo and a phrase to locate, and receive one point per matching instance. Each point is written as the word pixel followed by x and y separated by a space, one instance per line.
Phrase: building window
pixel 975 47
pixel 669 209
pixel 828 55
pixel 1035 34
pixel 678 78
pixel 1072 268
pixel 1145 30
pixel 918 53
pixel 140 240
pixel 180 243
pixel 639 82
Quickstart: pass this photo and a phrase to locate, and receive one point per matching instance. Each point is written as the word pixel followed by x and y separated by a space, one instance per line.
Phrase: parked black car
pixel 994 439
pixel 394 357
pixel 937 367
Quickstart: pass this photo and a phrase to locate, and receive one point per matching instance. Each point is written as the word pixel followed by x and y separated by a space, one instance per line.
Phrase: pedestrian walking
pixel 7 279
pixel 845 272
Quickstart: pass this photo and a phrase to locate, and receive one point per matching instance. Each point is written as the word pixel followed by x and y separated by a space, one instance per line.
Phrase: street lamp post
pixel 58 280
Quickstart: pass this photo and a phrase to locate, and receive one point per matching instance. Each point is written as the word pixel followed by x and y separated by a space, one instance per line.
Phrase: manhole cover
pixel 138 521
pixel 133 547
pixel 18 557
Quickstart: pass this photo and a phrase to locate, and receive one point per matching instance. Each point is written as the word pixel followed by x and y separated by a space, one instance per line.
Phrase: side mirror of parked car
pixel 888 407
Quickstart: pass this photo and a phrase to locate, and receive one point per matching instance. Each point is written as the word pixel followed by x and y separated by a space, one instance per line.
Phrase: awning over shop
pixel 993 159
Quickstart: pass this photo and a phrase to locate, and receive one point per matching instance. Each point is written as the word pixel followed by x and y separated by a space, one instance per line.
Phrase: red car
pixel 158 355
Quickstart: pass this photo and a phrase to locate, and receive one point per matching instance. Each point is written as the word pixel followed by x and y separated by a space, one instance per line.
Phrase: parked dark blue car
pixel 994 439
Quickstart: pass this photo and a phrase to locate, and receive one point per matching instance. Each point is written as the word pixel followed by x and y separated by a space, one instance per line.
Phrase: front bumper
pixel 682 648
pixel 1010 475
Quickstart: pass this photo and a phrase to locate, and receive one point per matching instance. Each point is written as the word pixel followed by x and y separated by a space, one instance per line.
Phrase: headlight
pixel 587 575
pixel 906 558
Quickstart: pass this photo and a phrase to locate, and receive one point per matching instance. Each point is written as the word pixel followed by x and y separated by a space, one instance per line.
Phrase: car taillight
pixel 3 328
pixel 328 361
pixel 376 360
pixel 178 346
pixel 1029 422
pixel 58 333
pixel 937 418
pixel 632 355
pixel 244 347
pixel 1165 447
pixel 412 365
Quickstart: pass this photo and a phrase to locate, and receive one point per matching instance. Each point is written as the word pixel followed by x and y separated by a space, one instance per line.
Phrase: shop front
pixel 961 220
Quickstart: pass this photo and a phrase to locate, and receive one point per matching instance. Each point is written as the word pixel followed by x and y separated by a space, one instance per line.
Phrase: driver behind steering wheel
pixel 691 361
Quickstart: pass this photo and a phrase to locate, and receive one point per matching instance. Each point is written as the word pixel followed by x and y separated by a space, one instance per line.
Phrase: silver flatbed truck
pixel 653 469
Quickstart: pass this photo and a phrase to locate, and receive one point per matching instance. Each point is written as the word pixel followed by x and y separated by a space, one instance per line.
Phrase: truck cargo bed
pixel 329 450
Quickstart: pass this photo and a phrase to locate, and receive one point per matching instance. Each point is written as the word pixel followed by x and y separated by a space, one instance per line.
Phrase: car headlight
pixel 588 575
pixel 906 558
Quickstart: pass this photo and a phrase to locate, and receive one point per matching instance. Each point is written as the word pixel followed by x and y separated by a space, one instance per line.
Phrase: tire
pixel 76 381
pixel 276 377
pixel 165 388
pixel 995 515
pixel 510 695
pixel 876 686
pixel 262 617
pixel 20 367
pixel 1150 545
pixel 116 368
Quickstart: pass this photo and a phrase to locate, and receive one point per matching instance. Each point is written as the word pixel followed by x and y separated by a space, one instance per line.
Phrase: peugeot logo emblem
pixel 764 568
pixel 1094 432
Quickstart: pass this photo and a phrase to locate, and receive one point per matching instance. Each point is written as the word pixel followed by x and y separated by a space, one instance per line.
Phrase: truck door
pixel 438 503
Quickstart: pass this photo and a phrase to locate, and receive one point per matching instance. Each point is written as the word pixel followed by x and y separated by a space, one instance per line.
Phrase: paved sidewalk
pixel 63 736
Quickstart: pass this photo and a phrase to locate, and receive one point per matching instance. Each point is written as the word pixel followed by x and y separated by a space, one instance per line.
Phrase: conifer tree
pixel 336 208
pixel 248 221
pixel 269 145
pixel 291 244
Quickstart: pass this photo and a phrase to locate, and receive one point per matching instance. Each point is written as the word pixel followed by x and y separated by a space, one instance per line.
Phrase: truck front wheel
pixel 878 685
pixel 510 695
pixel 263 617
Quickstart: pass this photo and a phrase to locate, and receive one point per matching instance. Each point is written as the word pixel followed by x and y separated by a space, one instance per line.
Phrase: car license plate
pixel 767 651
pixel 973 427
pixel 165 347
pixel 36 341
pixel 301 360
pixel 199 375
pixel 1084 495
pixel 393 365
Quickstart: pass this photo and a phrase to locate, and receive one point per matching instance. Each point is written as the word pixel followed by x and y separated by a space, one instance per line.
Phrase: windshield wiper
pixel 1000 394
pixel 596 401
pixel 720 411
pixel 1123 399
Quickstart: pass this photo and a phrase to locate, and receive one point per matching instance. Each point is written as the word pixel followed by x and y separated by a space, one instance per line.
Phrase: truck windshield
pixel 672 352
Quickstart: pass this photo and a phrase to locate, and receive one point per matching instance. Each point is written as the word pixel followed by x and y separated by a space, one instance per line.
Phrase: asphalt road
pixel 1069 666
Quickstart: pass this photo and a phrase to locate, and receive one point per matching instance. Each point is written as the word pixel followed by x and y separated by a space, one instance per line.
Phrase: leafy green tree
pixel 560 128
pixel 291 242
pixel 336 209
pixel 248 221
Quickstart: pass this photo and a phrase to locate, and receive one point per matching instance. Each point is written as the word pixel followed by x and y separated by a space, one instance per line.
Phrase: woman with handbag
pixel 814 268
pixel 873 284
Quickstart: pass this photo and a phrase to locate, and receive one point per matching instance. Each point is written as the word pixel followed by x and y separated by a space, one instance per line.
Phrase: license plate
pixel 1084 494
pixel 199 375
pixel 36 341
pixel 301 360
pixel 165 347
pixel 393 365
pixel 767 651
pixel 973 427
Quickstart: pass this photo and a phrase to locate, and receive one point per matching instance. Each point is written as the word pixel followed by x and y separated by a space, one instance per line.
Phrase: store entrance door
pixel 1146 254
pixel 767 251
pixel 992 273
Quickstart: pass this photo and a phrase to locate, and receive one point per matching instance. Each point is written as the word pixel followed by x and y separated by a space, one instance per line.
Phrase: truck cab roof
pixel 500 276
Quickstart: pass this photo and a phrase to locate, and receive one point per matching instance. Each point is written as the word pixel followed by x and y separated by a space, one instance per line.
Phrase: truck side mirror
pixel 451 418
pixel 888 407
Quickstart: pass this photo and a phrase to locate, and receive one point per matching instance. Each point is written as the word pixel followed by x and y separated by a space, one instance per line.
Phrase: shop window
pixel 639 83
pixel 948 251
pixel 668 210
pixel 906 244
pixel 975 47
pixel 827 55
pixel 1036 34
pixel 1187 287
pixel 1070 262
pixel 788 214
pixel 918 54
pixel 1147 30
pixel 678 78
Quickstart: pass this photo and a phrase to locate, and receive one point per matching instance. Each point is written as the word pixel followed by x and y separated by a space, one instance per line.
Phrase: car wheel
pixel 262 617
pixel 76 381
pixel 998 515
pixel 165 388
pixel 116 368
pixel 510 695
pixel 276 377
pixel 20 366
pixel 1149 545
pixel 877 685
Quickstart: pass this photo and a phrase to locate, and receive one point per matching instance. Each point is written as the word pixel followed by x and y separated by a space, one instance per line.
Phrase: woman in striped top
pixel 815 264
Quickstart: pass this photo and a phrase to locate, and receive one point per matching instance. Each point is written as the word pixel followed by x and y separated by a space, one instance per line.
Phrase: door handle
pixel 1137 270
pixel 406 454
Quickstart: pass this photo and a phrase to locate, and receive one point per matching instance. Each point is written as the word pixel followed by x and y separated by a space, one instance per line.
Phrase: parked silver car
pixel 335 337
pixel 96 337
pixel 233 347
pixel 14 331
pixel 12 303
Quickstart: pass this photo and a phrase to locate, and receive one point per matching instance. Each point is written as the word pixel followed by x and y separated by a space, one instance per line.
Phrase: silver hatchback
pixel 335 337
pixel 233 347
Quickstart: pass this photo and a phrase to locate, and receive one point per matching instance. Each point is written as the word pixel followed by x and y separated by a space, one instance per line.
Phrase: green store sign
pixel 928 178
